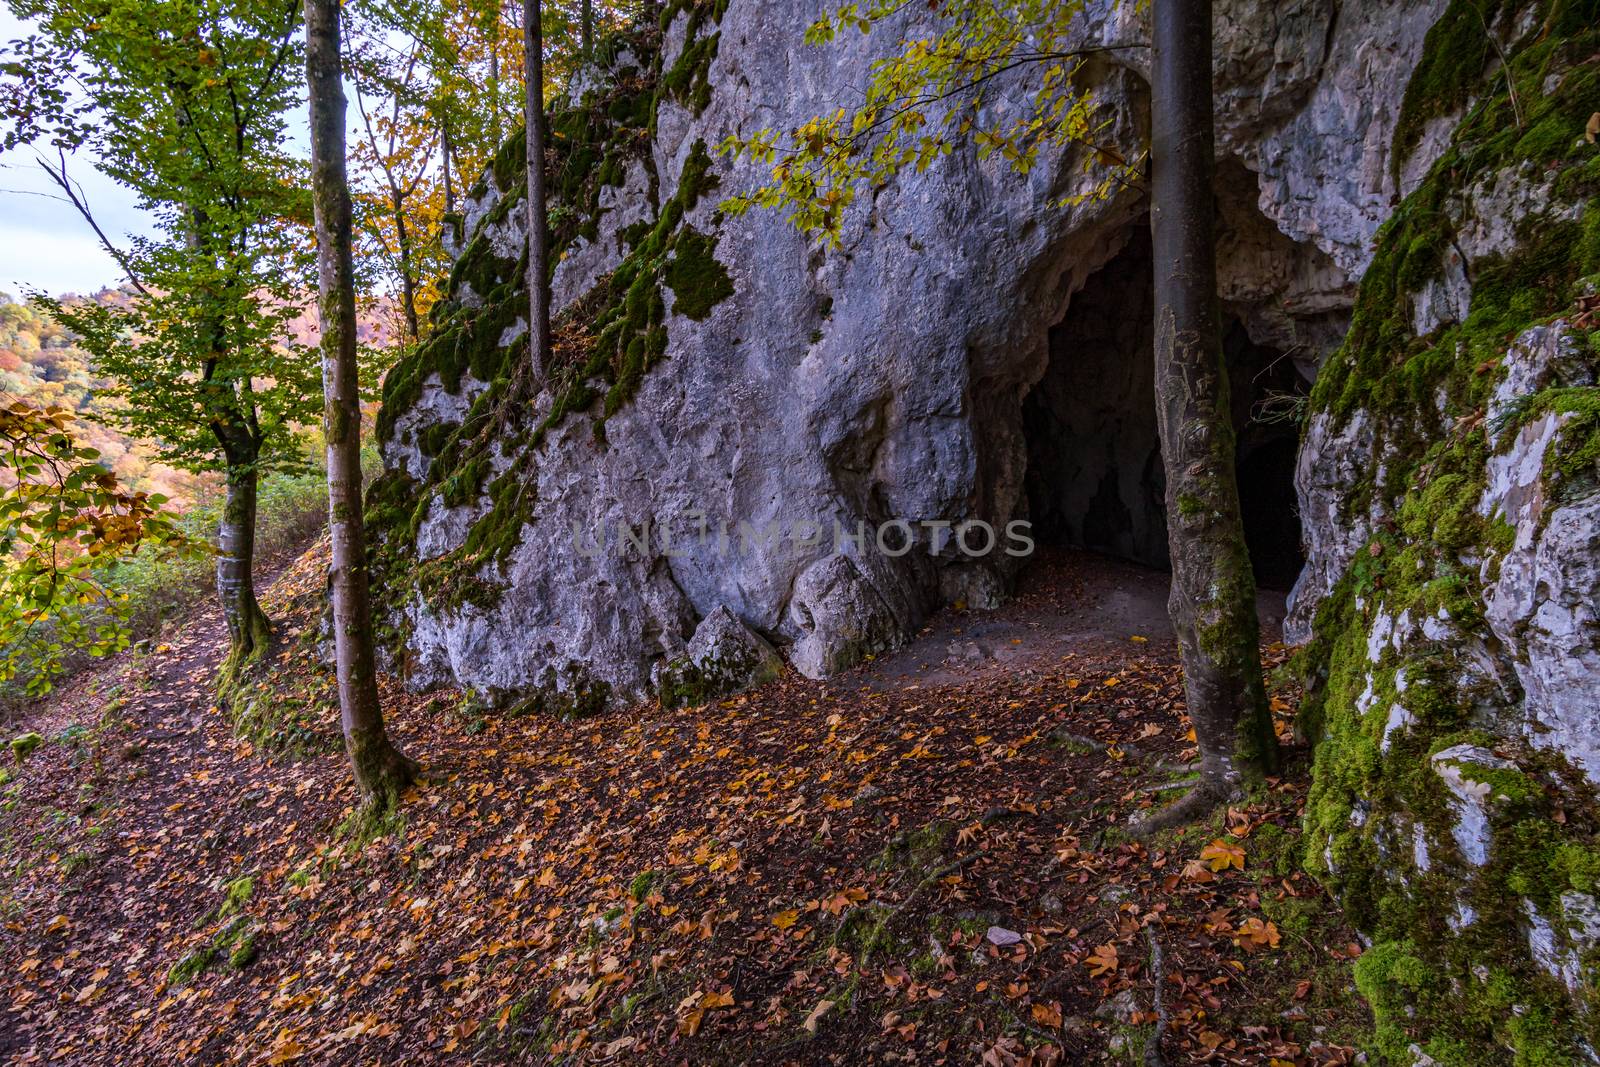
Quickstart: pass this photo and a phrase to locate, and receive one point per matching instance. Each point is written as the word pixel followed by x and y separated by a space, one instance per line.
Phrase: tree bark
pixel 381 772
pixel 449 187
pixel 249 632
pixel 1212 601
pixel 586 27
pixel 408 282
pixel 538 212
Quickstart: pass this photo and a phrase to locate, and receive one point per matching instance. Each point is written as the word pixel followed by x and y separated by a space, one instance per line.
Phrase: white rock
pixel 1471 800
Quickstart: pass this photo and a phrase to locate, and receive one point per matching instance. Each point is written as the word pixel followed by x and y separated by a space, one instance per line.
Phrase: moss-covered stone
pixel 605 342
pixel 1451 969
pixel 22 745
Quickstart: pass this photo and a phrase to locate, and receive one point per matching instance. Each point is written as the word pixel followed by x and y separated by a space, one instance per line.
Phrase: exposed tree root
pixel 1158 974
pixel 1191 807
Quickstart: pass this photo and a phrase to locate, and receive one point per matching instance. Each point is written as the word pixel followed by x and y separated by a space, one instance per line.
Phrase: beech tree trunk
pixel 249 632
pixel 408 282
pixel 1213 597
pixel 586 27
pixel 381 772
pixel 449 187
pixel 538 212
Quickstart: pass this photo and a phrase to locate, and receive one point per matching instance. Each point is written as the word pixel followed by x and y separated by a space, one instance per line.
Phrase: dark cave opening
pixel 1094 478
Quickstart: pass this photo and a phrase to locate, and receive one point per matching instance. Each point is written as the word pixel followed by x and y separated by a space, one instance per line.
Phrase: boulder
pixel 724 656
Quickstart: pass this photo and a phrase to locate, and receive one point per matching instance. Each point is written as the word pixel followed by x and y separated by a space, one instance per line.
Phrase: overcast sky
pixel 44 242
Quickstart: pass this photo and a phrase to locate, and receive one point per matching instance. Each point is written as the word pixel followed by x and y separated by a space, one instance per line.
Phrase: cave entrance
pixel 1094 478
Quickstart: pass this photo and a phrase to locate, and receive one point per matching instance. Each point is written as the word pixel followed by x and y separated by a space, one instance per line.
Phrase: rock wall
pixel 731 405
pixel 728 374
pixel 1450 491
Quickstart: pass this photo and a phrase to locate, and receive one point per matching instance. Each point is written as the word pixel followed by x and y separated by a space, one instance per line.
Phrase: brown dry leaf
pixel 1048 1015
pixel 1254 934
pixel 1103 960
pixel 817 1013
pixel 843 899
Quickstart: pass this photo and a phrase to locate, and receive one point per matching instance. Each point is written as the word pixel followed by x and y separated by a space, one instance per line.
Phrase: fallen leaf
pixel 816 1013
pixel 1221 855
pixel 1103 960
pixel 1255 934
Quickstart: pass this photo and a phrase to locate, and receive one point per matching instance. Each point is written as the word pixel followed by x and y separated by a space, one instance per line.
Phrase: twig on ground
pixel 1158 974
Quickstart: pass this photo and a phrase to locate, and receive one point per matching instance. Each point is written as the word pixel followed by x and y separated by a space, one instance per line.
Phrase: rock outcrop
pixel 742 419
pixel 750 444
pixel 1450 490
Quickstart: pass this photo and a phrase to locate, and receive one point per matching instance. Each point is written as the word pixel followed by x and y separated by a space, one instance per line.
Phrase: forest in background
pixel 43 364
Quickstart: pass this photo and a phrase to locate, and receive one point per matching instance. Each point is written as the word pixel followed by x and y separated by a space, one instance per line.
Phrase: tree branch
pixel 75 197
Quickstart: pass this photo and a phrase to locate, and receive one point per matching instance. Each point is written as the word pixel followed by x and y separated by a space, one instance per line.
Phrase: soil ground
pixel 923 861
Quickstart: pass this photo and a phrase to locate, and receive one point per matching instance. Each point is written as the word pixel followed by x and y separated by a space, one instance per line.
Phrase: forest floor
pixel 923 861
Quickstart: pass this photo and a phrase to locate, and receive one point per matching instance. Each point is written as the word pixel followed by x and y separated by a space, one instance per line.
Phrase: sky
pixel 44 242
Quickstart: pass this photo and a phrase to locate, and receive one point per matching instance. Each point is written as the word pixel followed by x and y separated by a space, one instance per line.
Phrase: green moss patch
pixel 604 342
pixel 1450 969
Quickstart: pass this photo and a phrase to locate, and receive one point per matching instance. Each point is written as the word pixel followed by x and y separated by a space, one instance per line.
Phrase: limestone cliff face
pixel 718 372
pixel 735 411
pixel 1450 490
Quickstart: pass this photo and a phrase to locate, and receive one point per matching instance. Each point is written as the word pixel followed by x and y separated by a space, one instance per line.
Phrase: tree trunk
pixel 494 76
pixel 449 187
pixel 408 283
pixel 538 213
pixel 381 772
pixel 1212 602
pixel 586 27
pixel 249 632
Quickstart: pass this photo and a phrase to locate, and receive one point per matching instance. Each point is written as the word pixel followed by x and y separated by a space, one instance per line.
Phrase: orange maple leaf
pixel 1222 855
pixel 1254 934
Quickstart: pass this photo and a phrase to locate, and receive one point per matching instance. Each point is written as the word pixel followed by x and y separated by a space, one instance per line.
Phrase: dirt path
pixel 1068 603
pixel 899 865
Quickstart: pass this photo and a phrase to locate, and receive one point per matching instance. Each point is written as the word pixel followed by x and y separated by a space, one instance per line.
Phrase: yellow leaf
pixel 1221 855
pixel 785 919
pixel 1254 934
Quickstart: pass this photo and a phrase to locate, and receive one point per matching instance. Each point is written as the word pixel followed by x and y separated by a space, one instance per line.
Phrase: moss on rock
pixel 605 342
pixel 1452 969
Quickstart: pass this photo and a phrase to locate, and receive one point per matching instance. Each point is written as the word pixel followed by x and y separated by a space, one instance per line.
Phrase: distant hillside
pixel 40 361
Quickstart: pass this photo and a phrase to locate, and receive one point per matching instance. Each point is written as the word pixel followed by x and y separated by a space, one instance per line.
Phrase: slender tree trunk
pixel 494 76
pixel 249 632
pixel 538 212
pixel 380 770
pixel 449 187
pixel 408 282
pixel 1212 602
pixel 586 27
